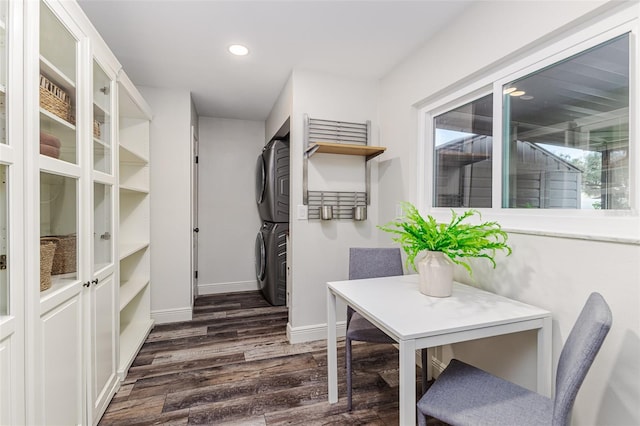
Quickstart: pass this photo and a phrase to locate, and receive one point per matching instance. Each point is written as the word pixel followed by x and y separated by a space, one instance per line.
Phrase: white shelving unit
pixel 134 212
pixel 72 319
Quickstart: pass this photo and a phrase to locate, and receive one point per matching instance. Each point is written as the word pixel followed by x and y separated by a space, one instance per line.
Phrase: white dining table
pixel 416 321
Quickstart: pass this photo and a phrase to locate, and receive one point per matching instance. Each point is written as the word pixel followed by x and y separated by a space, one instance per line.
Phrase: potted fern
pixel 445 244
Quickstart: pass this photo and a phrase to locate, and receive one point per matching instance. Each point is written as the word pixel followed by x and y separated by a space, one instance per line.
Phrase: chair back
pixel 373 263
pixel 578 353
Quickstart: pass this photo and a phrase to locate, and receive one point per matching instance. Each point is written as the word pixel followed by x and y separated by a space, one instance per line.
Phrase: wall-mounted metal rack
pixel 342 203
pixel 344 138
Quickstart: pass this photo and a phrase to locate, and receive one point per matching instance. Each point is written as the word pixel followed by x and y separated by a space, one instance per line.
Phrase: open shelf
pixel 132 338
pixel 134 189
pixel 134 221
pixel 345 149
pixel 134 177
pixel 127 249
pixel 130 289
pixel 135 325
pixel 127 155
pixel 133 136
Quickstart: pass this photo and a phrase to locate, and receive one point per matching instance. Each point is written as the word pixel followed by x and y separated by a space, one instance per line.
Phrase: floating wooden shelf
pixel 345 149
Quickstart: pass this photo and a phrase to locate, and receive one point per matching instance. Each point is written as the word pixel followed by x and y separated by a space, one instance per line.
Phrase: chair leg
pixel 348 359
pixel 425 363
pixel 422 419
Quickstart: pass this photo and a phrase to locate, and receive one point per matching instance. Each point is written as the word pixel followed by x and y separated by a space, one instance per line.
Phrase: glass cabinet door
pixel 102 226
pixel 4 209
pixel 102 162
pixel 4 200
pixel 59 184
pixel 101 130
pixel 3 70
pixel 57 89
pixel 58 230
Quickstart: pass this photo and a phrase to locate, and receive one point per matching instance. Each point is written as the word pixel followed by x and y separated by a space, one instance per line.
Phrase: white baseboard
pixel 310 333
pixel 165 316
pixel 230 287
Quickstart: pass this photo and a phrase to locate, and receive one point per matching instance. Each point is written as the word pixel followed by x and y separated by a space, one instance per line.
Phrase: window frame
pixel 605 225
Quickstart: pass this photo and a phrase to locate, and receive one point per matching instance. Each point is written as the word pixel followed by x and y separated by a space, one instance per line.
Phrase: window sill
pixel 602 226
pixel 598 238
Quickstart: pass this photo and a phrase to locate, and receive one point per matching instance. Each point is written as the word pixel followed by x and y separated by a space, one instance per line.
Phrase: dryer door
pixel 261 179
pixel 261 258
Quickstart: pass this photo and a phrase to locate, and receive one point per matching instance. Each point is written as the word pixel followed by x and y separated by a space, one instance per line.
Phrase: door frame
pixel 195 149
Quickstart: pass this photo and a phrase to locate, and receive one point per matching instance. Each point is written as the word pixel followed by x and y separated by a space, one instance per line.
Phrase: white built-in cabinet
pixel 74 217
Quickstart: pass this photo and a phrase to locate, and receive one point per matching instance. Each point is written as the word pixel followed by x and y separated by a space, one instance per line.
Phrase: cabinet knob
pixel 87 284
pixel 196 230
pixel 94 281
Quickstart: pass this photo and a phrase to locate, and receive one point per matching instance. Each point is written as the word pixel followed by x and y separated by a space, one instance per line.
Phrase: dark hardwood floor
pixel 232 364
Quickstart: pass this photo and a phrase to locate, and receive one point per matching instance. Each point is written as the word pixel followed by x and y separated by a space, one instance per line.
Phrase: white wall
pixel 281 110
pixel 170 162
pixel 319 249
pixel 554 273
pixel 228 215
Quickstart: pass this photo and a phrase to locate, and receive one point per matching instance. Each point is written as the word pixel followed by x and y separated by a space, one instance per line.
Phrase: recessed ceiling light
pixel 509 90
pixel 238 50
pixel 526 97
pixel 517 93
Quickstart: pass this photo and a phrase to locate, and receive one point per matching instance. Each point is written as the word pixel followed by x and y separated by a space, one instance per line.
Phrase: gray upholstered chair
pixel 370 263
pixel 465 395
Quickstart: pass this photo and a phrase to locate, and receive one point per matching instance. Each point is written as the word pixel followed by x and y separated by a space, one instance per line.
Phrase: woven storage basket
pixel 47 252
pixel 64 260
pixel 96 125
pixel 54 99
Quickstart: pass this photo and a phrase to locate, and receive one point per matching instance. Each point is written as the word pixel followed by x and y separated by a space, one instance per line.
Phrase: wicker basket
pixel 96 125
pixel 64 260
pixel 47 252
pixel 54 99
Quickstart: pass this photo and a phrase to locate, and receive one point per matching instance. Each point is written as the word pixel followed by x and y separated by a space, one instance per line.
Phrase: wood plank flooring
pixel 232 365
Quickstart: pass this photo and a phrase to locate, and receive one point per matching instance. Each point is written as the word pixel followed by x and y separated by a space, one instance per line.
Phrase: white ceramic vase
pixel 436 274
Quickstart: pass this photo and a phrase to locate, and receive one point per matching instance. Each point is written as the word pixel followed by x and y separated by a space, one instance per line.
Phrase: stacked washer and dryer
pixel 272 197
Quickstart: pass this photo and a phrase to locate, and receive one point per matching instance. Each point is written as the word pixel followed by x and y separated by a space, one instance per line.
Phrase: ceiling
pixel 182 44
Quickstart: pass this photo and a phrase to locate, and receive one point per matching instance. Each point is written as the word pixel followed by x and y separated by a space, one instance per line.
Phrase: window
pixel 462 155
pixel 566 133
pixel 564 138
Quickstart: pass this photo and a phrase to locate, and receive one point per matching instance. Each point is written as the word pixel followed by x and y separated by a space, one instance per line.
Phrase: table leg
pixel 545 354
pixel 407 405
pixel 332 348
